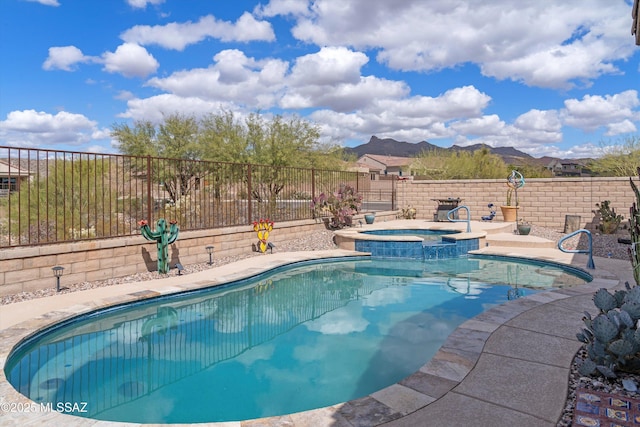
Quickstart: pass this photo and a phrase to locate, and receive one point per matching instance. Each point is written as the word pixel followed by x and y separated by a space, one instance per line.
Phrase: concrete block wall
pixel 542 201
pixel 29 268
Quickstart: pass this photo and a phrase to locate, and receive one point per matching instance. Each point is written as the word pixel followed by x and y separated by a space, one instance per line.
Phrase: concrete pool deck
pixel 507 366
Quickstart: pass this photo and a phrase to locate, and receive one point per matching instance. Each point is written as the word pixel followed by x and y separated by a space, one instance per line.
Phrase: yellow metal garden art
pixel 263 228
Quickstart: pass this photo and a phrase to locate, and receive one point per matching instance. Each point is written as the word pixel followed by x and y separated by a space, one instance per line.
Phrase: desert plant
pixel 612 338
pixel 634 230
pixel 609 219
pixel 509 199
pixel 339 206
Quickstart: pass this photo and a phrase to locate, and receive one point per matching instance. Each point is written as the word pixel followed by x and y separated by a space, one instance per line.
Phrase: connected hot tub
pixel 415 240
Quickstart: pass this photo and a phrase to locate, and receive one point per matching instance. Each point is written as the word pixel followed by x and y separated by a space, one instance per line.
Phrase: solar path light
pixel 57 271
pixel 210 252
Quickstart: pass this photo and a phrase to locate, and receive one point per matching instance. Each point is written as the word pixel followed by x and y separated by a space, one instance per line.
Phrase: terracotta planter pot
pixel 509 213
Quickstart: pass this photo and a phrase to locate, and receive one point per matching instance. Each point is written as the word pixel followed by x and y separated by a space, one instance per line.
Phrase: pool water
pixel 295 339
pixel 427 235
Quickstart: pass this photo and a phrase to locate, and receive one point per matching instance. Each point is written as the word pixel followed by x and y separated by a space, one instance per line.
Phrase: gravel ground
pixel 603 246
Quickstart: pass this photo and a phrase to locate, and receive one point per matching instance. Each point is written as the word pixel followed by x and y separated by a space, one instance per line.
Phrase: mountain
pixel 510 155
pixel 391 147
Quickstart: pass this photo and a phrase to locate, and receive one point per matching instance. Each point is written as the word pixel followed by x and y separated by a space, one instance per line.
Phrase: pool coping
pixel 430 387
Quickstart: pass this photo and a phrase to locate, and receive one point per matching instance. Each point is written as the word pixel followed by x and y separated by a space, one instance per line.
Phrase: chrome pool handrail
pixel 590 263
pixel 468 220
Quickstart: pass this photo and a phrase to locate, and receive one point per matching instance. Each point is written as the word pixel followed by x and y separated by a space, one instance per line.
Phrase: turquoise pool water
pixel 297 338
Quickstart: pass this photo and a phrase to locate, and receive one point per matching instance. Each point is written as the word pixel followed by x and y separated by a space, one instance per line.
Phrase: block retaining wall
pixel 29 268
pixel 542 201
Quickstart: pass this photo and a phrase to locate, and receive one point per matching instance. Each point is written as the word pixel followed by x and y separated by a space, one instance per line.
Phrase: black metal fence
pixel 50 196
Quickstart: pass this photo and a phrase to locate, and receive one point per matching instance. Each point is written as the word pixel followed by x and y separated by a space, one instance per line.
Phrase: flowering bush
pixel 338 206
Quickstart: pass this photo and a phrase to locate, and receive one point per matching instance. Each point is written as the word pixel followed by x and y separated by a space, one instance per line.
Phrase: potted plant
pixel 524 228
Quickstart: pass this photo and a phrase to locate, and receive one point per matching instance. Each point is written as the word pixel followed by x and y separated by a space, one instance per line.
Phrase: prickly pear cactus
pixel 163 236
pixel 612 338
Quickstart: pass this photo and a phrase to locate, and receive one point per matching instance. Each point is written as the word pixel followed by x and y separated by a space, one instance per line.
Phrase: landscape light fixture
pixel 57 271
pixel 270 246
pixel 210 252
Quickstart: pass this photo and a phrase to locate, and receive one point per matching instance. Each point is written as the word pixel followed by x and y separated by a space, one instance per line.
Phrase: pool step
pixel 516 241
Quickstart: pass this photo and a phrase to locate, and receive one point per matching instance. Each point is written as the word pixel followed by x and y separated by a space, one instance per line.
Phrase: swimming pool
pixel 391 315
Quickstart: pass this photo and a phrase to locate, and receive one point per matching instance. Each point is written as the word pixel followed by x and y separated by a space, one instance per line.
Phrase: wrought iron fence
pixel 51 196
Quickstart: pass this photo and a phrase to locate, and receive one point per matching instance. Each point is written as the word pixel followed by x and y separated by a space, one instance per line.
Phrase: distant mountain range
pixel 391 147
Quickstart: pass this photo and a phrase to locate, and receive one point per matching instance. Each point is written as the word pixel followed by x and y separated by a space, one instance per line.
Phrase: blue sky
pixel 547 77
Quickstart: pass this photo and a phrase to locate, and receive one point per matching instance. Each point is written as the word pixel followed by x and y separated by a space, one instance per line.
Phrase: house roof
pixel 388 160
pixel 6 170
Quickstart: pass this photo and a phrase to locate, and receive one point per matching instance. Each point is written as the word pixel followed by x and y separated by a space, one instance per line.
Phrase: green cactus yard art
pixel 163 236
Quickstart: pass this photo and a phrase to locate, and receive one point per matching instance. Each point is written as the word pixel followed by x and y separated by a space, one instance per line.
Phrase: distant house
pixel 11 177
pixel 565 168
pixel 380 166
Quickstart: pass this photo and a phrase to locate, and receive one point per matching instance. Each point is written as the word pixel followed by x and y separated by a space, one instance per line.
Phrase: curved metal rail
pixel 590 263
pixel 468 220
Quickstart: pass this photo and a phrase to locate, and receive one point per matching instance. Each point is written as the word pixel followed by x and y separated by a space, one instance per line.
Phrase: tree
pixel 277 146
pixel 272 146
pixel 74 191
pixel 459 165
pixel 223 138
pixel 619 159
pixel 176 138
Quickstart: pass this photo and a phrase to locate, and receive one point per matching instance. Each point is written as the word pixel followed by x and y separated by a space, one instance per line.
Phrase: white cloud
pixel 625 126
pixel 156 108
pixel 130 60
pixel 65 58
pixel 595 111
pixel 338 322
pixel 331 65
pixel 414 118
pixel 141 4
pixel 232 78
pixel 46 2
pixel 485 125
pixel 125 95
pixel 30 128
pixel 282 7
pixel 177 36
pixel 538 43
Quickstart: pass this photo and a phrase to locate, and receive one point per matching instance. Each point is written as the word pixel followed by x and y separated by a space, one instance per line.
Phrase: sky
pixel 549 78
